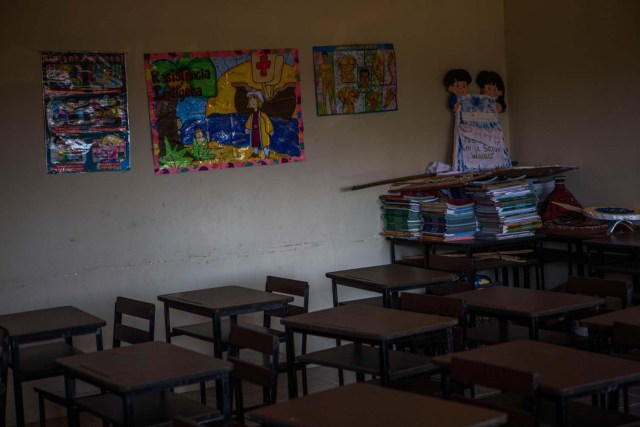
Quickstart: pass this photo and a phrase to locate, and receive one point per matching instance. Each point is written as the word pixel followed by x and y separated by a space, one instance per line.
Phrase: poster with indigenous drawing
pixel 355 79
pixel 212 110
pixel 86 118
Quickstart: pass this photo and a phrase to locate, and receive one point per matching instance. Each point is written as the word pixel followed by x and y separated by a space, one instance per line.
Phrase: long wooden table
pixel 527 305
pixel 35 362
pixel 388 280
pixel 362 324
pixel 142 371
pixel 565 373
pixel 370 405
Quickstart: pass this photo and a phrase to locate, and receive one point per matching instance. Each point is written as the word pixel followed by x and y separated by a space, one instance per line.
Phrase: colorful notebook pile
pixel 401 214
pixel 448 220
pixel 505 210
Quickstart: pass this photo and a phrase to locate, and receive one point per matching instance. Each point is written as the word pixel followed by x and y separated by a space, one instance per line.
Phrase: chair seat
pixel 204 330
pixel 39 361
pixel 490 334
pixel 365 359
pixel 55 392
pixel 151 408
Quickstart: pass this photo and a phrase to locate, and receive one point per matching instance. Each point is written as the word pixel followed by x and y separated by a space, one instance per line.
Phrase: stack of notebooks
pixel 401 214
pixel 505 210
pixel 447 221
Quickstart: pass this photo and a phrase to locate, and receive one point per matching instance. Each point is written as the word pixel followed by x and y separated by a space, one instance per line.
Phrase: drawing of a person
pixel 347 64
pixel 258 125
pixel 348 96
pixel 326 76
pixel 365 79
pixel 199 137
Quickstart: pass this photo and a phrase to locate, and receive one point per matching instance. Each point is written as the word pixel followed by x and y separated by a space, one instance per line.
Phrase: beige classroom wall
pixel 83 239
pixel 574 92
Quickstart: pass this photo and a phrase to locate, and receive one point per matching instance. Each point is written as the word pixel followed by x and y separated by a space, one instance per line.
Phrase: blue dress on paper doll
pixel 478 138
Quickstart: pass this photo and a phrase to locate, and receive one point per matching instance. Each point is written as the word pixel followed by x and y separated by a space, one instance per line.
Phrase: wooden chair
pixel 4 368
pixel 279 285
pixel 125 308
pixel 625 339
pixel 463 266
pixel 431 304
pixel 603 288
pixel 295 288
pixel 263 373
pixel 523 385
pixel 519 395
pixel 436 343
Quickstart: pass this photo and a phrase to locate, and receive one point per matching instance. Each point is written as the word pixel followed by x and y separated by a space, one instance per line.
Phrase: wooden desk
pixel 35 362
pixel 565 373
pixel 529 305
pixel 217 303
pixel 141 370
pixel 387 280
pixel 370 405
pixel 363 324
pixel 601 325
pixel 626 245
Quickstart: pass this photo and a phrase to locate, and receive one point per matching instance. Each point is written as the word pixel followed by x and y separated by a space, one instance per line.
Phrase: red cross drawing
pixel 263 65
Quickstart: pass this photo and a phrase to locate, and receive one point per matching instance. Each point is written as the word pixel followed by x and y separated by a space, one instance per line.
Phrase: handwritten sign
pixel 478 138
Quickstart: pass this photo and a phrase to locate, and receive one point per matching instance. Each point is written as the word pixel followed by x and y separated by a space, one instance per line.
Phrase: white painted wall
pixel 573 70
pixel 84 239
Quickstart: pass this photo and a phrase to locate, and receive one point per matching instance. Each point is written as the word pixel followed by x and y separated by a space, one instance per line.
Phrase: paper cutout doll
pixel 457 83
pixel 491 84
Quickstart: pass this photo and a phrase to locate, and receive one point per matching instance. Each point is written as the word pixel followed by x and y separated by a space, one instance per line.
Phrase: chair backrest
pixel 461 265
pixel 431 304
pixel 4 337
pixel 454 264
pixel 295 288
pixel 603 288
pixel 442 306
pixel 136 309
pixel 263 373
pixel 502 378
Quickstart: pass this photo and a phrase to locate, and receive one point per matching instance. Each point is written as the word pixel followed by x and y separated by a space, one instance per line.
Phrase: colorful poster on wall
pixel 355 79
pixel 85 104
pixel 478 140
pixel 212 110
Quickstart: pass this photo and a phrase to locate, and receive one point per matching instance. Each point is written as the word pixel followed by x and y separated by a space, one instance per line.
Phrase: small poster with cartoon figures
pixel 85 104
pixel 354 79
pixel 212 110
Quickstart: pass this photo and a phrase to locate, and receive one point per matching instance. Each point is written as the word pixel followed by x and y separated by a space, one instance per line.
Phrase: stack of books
pixel 401 214
pixel 505 210
pixel 448 220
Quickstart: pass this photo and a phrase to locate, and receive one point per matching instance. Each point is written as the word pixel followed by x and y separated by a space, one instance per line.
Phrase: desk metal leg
pixel 217 352
pixel 334 292
pixel 291 363
pixel 384 364
pixel 167 324
pixel 70 391
pixel 17 384
pixel 99 345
